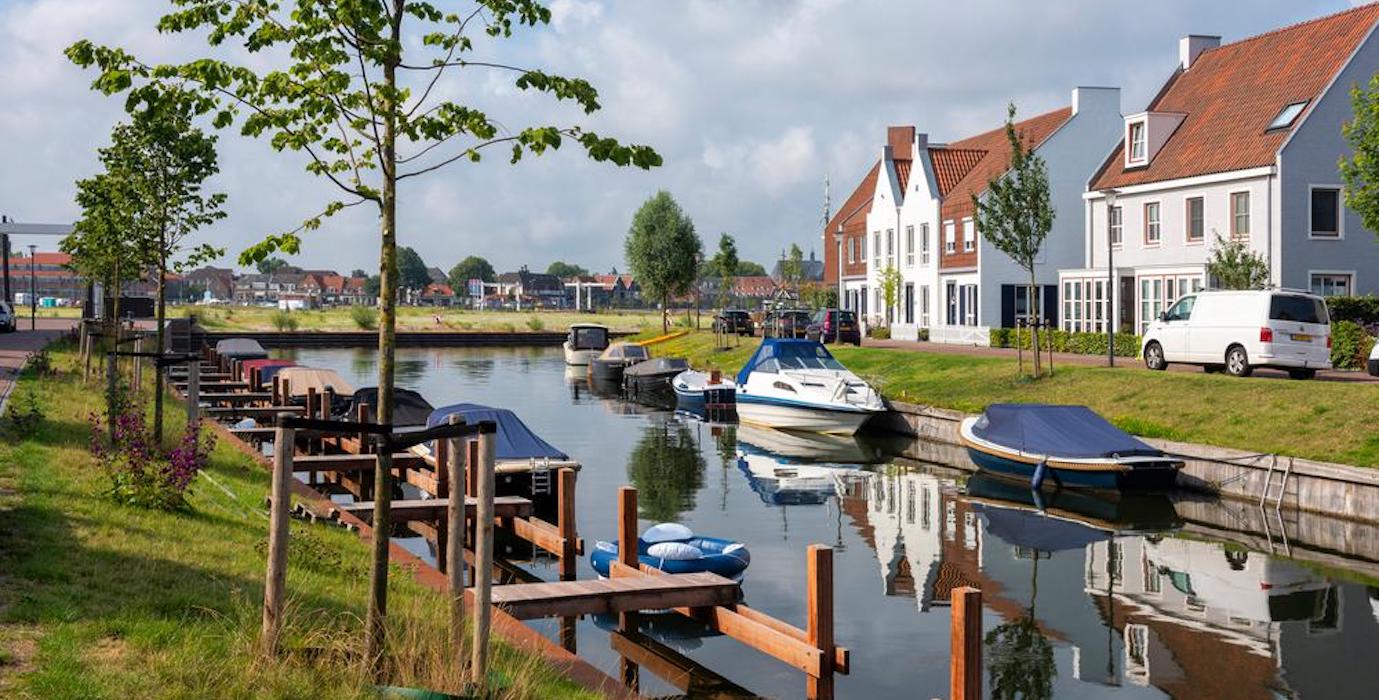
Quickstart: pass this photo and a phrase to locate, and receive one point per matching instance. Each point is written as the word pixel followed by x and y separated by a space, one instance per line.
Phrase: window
pixel 890 244
pixel 1196 226
pixel 1332 284
pixel 1117 233
pixel 852 250
pixel 876 250
pixel 1022 307
pixel 1326 212
pixel 1137 142
pixel 924 306
pixel 969 235
pixel 924 244
pixel 909 246
pixel 1240 215
pixel 1182 310
pixel 950 244
pixel 1153 230
pixel 862 248
pixel 1287 115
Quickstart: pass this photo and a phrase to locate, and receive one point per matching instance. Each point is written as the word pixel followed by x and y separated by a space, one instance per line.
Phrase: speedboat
pixel 523 462
pixel 653 375
pixel 584 343
pixel 675 549
pixel 697 391
pixel 797 385
pixel 608 366
pixel 1073 444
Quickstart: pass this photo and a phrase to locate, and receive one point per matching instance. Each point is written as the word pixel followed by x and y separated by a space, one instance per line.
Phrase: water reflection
pixel 667 468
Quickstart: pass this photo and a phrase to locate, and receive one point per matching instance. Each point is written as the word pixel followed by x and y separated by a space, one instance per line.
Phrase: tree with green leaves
pixel 663 251
pixel 1360 171
pixel 471 268
pixel 724 266
pixel 747 268
pixel 411 270
pixel 100 244
pixel 1016 214
pixel 792 268
pixel 565 270
pixel 1234 266
pixel 272 265
pixel 356 87
pixel 373 285
pixel 357 272
pixel 890 290
pixel 667 468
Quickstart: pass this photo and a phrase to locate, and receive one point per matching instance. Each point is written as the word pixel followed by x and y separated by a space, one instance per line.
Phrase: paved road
pixel 14 347
pixel 1063 358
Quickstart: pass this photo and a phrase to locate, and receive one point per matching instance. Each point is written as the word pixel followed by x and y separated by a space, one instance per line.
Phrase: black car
pixel 734 321
pixel 787 323
pixel 835 326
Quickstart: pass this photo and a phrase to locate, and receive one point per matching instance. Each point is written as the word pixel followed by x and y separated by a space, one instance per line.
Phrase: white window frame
pixel 1141 144
pixel 890 244
pixel 924 244
pixel 1332 273
pixel 909 245
pixel 1153 225
pixel 924 305
pixel 1117 223
pixel 969 235
pixel 862 248
pixel 950 237
pixel 1187 220
pixel 876 250
pixel 1249 215
pixel 1340 214
pixel 852 251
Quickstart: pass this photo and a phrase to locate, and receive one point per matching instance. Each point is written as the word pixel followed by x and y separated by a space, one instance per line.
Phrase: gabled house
pixel 437 294
pixel 845 244
pixel 1241 142
pixel 219 282
pixel 529 287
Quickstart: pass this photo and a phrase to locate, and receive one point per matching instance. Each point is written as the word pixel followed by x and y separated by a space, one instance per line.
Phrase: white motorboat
pixel 798 385
pixel 585 342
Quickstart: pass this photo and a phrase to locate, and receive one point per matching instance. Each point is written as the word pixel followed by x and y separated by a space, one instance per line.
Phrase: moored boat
pixel 675 549
pixel 524 462
pixel 653 375
pixel 584 343
pixel 240 349
pixel 798 385
pixel 697 391
pixel 1072 444
pixel 610 364
pixel 300 380
pixel 409 407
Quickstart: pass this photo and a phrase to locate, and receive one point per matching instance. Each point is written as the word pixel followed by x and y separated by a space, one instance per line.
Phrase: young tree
pixel 1234 266
pixel 1360 172
pixel 1016 214
pixel 890 290
pixel 411 270
pixel 471 268
pixel 100 244
pixel 563 270
pixel 663 250
pixel 792 267
pixel 356 86
pixel 724 265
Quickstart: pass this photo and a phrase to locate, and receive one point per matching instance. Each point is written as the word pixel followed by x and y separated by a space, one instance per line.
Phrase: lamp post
pixel 1110 279
pixel 841 303
pixel 33 291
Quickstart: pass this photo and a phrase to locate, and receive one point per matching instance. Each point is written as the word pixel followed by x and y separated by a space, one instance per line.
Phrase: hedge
pixel 1127 345
pixel 1350 345
pixel 1363 310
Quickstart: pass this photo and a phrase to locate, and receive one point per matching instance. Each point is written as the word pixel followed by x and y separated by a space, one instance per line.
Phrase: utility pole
pixel 33 291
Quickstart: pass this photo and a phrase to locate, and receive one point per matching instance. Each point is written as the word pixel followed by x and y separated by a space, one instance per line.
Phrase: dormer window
pixel 1287 115
pixel 1137 143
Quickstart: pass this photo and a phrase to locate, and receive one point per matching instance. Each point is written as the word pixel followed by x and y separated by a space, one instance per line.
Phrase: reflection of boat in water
pixel 821 447
pixel 780 482
pixel 1072 443
pixel 798 385
pixel 1127 512
pixel 584 343
pixel 669 628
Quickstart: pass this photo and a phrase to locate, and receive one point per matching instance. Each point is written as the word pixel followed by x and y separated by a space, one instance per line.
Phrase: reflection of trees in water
pixel 726 443
pixel 475 369
pixel 410 371
pixel 364 361
pixel 1019 659
pixel 667 469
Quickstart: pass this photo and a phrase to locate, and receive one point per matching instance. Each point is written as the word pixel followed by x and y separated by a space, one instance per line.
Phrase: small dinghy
pixel 675 549
pixel 1073 444
pixel 584 343
pixel 240 349
pixel 409 407
pixel 302 379
pixel 608 367
pixel 697 391
pixel 653 375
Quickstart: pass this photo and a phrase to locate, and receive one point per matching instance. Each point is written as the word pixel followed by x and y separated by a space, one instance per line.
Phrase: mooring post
pixel 138 365
pixel 627 556
pixel 565 521
pixel 965 674
pixel 441 455
pixel 452 465
pixel 311 413
pixel 284 438
pixel 276 391
pixel 483 558
pixel 286 389
pixel 193 392
pixel 819 625
pixel 328 405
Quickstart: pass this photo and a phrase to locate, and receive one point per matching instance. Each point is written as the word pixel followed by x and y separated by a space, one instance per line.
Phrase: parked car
pixel 1241 330
pixel 785 323
pixel 835 326
pixel 1373 364
pixel 7 320
pixel 734 321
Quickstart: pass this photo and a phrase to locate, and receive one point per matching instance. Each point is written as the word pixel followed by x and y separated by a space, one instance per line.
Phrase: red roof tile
pixel 1231 93
pixel 951 164
pixel 902 172
pixel 995 158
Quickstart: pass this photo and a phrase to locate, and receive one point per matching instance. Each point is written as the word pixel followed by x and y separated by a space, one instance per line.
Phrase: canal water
pixel 1088 599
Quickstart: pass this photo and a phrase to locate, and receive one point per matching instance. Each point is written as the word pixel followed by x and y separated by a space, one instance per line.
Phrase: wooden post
pixel 453 466
pixel 965 672
pixel 819 622
pixel 286 389
pixel 483 558
pixel 276 400
pixel 111 378
pixel 138 365
pixel 565 521
pixel 278 526
pixel 193 392
pixel 627 555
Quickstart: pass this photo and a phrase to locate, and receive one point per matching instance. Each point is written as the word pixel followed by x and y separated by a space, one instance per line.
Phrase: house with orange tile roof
pixel 1241 142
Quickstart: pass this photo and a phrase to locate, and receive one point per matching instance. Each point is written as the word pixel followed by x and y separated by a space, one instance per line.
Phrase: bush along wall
pixel 1127 345
pixel 1350 344
pixel 1362 310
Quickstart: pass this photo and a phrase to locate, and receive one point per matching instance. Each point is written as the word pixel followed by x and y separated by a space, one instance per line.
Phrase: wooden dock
pixel 608 596
pixel 435 508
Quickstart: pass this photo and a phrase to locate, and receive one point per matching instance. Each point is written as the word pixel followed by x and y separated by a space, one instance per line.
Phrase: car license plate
pixel 1302 338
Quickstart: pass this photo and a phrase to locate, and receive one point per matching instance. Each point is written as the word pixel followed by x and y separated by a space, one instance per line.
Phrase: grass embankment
pixel 99 600
pixel 410 318
pixel 1330 421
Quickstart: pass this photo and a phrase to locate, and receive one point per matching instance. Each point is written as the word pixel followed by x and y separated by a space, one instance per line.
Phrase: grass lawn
pixel 1331 421
pixel 99 600
pixel 248 318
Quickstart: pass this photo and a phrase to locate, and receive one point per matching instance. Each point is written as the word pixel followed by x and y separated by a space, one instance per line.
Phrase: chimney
pixel 1094 98
pixel 901 140
pixel 1192 46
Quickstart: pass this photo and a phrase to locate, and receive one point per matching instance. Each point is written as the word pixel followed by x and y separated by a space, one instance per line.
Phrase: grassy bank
pixel 1337 422
pixel 243 318
pixel 99 600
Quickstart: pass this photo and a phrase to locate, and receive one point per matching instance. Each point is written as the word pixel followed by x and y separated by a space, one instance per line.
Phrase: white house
pixel 1242 141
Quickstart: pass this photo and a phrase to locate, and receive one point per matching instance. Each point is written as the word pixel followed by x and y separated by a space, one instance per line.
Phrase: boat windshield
pixel 588 338
pixel 799 356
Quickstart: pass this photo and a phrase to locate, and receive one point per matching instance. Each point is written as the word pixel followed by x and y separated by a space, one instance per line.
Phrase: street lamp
pixel 1110 195
pixel 33 291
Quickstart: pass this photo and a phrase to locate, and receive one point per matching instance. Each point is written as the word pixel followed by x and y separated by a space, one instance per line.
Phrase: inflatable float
pixel 675 549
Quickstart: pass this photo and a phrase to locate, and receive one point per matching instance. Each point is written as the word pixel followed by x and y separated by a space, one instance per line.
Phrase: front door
pixel 909 302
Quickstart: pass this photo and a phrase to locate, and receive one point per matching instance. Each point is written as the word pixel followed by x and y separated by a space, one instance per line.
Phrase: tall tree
pixel 1360 171
pixel 663 251
pixel 747 268
pixel 471 268
pixel 1016 214
pixel 411 270
pixel 1234 266
pixel 792 267
pixel 356 86
pixel 271 265
pixel 563 270
pixel 100 243
pixel 724 265
pixel 357 272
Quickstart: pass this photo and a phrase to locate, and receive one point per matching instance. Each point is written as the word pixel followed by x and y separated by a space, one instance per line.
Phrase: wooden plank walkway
pixel 351 462
pixel 237 397
pixel 251 411
pixel 434 508
pixel 254 433
pixel 213 386
pixel 526 601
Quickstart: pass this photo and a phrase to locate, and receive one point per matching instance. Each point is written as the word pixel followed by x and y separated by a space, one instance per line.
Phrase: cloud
pixel 751 103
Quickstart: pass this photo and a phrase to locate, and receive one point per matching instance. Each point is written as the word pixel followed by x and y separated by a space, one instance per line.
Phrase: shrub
pixel 283 320
pixel 923 335
pixel 366 317
pixel 507 327
pixel 41 363
pixel 535 323
pixel 23 416
pixel 879 332
pixel 1363 310
pixel 1350 345
pixel 141 473
pixel 1127 344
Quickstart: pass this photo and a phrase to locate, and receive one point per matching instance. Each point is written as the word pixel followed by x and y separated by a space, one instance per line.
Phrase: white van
pixel 1241 330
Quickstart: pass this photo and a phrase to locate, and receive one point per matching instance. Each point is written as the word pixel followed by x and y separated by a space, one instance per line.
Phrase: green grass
pixel 99 600
pixel 242 318
pixel 1331 421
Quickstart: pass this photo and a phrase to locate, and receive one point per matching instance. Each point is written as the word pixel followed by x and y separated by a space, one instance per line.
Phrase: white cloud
pixel 568 14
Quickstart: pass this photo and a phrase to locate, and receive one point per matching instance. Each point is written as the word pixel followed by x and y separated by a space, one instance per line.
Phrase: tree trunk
pixel 161 315
pixel 1034 324
pixel 375 618
pixel 665 314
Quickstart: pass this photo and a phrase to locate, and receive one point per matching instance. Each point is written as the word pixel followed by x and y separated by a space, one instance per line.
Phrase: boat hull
pixel 1147 477
pixel 774 414
pixel 579 358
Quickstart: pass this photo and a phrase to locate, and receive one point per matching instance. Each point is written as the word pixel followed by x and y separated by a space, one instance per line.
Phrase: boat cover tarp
pixel 1024 528
pixel 1071 432
pixel 784 349
pixel 266 367
pixel 240 349
pixel 514 439
pixel 659 365
pixel 304 378
pixel 409 407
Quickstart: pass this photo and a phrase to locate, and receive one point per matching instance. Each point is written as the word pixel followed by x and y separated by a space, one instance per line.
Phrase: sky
pixel 751 103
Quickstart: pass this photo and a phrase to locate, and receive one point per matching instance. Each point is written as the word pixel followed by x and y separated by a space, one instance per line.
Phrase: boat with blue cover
pixel 1072 444
pixel 675 549
pixel 523 461
pixel 796 384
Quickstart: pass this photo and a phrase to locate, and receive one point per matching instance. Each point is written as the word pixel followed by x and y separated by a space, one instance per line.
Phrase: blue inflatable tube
pixel 726 558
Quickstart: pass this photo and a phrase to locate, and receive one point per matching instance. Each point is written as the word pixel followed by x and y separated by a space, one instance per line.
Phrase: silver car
pixel 7 321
